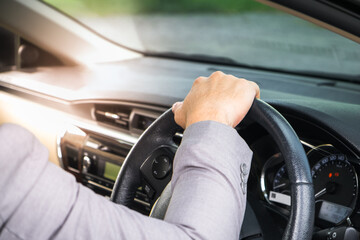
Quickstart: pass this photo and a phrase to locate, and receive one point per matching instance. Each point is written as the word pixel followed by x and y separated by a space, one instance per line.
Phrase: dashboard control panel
pixel 95 160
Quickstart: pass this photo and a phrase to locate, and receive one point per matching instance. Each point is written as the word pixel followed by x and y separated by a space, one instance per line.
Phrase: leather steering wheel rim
pixel 161 132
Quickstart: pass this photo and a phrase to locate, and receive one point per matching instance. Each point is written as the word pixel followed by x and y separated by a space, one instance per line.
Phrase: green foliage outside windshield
pixel 245 31
pixel 112 7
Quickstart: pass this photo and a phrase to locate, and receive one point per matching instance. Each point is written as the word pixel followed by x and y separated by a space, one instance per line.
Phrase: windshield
pixel 241 32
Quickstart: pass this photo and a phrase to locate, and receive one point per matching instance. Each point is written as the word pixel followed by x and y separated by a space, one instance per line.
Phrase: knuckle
pixel 254 84
pixel 199 80
pixel 217 74
pixel 242 80
pixel 254 88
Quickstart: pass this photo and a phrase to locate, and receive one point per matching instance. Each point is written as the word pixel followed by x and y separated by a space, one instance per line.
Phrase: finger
pixel 199 80
pixel 257 89
pixel 217 74
pixel 175 106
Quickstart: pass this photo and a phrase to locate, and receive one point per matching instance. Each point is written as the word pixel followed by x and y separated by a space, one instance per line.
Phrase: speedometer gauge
pixel 335 180
pixel 335 185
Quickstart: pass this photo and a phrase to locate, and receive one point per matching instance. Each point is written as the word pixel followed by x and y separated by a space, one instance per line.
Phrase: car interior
pixel 101 106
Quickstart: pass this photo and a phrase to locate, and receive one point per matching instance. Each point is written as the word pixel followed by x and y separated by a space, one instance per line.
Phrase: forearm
pixel 22 161
pixel 207 200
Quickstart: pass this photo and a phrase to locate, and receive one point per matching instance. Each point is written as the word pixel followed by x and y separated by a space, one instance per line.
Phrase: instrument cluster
pixel 335 182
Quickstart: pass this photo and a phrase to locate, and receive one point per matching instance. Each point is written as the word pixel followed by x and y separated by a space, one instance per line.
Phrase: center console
pixel 95 160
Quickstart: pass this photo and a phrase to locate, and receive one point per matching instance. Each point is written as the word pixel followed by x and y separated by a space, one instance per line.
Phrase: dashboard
pixel 107 107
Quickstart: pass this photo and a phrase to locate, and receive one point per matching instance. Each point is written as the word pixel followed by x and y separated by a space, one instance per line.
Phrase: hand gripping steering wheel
pixel 157 141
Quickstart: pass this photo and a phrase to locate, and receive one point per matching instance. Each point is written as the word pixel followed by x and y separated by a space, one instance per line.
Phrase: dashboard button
pixel 86 164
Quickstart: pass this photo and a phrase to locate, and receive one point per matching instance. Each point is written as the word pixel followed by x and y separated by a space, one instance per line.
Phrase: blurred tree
pixel 115 7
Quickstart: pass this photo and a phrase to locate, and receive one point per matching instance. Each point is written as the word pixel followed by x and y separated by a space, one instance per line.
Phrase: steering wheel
pixel 157 143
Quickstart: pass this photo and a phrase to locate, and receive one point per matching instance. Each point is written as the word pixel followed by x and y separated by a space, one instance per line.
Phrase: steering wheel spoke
pixel 157 170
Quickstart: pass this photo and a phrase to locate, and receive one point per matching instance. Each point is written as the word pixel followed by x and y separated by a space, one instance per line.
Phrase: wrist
pixel 194 118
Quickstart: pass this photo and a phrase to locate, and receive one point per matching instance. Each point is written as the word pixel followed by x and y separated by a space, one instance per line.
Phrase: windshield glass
pixel 243 32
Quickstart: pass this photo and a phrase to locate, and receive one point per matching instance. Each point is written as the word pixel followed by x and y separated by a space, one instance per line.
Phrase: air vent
pixel 141 120
pixel 112 114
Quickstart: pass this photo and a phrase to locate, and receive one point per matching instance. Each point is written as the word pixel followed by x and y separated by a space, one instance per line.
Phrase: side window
pixel 7 50
pixel 17 53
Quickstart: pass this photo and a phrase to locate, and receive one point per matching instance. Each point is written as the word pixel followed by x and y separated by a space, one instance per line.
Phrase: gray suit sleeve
pixel 207 182
pixel 40 201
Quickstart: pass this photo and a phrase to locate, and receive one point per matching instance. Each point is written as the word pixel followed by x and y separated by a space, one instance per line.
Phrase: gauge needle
pixel 320 193
pixel 330 188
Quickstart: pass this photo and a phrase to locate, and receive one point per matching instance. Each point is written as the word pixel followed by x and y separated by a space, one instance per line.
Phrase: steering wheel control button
pixel 149 190
pixel 161 167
